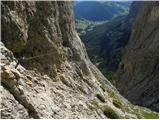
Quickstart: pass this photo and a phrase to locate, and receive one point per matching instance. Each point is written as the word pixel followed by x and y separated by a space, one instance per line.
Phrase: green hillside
pixel 100 10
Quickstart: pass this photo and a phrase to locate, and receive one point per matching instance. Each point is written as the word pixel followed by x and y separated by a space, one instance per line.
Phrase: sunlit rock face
pixel 34 28
pixel 137 75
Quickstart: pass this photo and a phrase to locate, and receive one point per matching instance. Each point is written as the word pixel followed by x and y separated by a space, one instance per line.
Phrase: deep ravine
pixel 125 50
pixel 106 42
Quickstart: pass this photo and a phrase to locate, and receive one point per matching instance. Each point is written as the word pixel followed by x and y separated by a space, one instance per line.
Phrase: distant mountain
pixel 76 2
pixel 100 10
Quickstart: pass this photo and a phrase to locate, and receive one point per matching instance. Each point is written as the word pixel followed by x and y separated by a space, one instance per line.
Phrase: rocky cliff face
pixel 55 78
pixel 137 75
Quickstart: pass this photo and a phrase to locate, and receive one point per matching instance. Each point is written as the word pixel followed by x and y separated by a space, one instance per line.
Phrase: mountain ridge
pixel 90 10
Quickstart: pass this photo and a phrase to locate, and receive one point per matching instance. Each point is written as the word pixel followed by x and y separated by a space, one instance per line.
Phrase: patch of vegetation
pixel 146 113
pixel 117 103
pixel 100 97
pixel 82 25
pixel 111 93
pixel 141 112
pixel 150 115
pixel 110 113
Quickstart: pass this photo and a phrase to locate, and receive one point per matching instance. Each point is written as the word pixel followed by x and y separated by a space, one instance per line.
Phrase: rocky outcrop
pixel 55 78
pixel 137 76
pixel 37 96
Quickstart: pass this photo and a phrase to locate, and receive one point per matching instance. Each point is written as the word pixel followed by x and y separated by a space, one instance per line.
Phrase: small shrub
pixel 100 97
pixel 110 113
pixel 117 103
pixel 111 93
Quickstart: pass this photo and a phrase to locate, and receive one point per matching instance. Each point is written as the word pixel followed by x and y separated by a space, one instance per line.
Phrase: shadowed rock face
pixel 63 84
pixel 137 75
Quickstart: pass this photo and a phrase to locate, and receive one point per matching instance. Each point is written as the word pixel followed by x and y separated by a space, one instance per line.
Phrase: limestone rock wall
pixel 37 28
pixel 138 73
